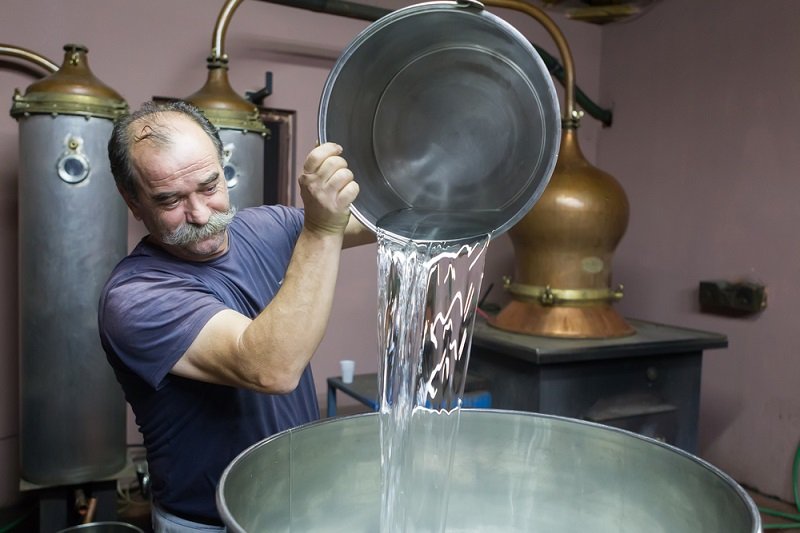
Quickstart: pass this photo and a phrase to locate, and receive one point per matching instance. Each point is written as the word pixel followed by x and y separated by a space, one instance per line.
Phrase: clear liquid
pixel 428 294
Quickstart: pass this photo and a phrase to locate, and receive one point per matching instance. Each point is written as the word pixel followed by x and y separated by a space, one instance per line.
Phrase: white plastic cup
pixel 348 368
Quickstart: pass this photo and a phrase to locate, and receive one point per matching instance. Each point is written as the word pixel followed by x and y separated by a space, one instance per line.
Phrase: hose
pixel 796 490
pixel 10 527
pixel 605 116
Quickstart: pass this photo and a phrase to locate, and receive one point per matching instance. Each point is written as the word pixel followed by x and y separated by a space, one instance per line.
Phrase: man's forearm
pixel 282 339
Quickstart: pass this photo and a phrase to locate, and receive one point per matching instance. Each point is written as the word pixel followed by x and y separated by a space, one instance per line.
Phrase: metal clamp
pixel 549 296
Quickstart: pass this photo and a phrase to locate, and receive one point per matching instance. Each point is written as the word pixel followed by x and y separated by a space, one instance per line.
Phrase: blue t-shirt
pixel 152 308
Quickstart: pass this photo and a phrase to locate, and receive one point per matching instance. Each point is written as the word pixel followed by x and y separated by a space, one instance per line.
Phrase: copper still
pixel 239 121
pixel 72 232
pixel 564 245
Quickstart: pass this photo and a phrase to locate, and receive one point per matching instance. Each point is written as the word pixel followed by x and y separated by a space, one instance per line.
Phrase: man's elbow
pixel 272 381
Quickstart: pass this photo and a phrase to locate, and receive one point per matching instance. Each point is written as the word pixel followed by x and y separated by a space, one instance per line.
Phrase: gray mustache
pixel 190 233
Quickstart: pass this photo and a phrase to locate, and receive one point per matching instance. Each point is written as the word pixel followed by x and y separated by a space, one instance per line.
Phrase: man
pixel 211 321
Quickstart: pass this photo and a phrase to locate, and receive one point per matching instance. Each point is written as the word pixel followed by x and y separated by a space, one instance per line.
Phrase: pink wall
pixel 707 102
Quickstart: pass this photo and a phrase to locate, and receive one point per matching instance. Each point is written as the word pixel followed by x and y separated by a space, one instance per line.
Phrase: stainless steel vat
pixel 72 232
pixel 512 472
pixel 448 119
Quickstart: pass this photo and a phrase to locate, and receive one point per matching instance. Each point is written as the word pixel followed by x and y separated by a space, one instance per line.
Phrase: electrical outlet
pixel 738 298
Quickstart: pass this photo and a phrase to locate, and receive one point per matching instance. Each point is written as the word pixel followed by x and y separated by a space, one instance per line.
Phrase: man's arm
pixel 270 352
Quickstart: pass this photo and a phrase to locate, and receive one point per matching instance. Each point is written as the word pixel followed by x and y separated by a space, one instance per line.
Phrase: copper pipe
pixel 570 114
pixel 217 99
pixel 221 28
pixel 27 55
pixel 91 508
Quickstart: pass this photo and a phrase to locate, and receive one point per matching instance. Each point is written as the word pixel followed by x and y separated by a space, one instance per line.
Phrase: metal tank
pixel 239 122
pixel 72 232
pixel 511 472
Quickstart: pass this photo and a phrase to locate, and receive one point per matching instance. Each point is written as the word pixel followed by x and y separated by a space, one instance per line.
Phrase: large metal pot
pixel 512 472
pixel 103 527
pixel 448 118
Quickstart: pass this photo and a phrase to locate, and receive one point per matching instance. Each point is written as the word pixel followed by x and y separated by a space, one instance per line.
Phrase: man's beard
pixel 187 234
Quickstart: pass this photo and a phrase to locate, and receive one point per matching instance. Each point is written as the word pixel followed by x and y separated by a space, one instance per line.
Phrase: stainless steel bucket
pixel 512 472
pixel 448 118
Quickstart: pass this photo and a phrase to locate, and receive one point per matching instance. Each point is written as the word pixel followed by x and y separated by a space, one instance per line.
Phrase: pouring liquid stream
pixel 427 299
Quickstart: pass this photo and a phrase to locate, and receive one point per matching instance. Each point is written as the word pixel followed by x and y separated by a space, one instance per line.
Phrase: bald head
pixel 155 125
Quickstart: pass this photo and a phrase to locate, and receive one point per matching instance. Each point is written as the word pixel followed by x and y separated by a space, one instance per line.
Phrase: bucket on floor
pixel 512 472
pixel 103 527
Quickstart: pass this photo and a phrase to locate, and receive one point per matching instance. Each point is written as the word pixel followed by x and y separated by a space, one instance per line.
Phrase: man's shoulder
pixel 280 215
pixel 268 224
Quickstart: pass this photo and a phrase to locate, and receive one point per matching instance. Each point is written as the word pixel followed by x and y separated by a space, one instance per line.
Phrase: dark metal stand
pixel 648 382
pixel 57 505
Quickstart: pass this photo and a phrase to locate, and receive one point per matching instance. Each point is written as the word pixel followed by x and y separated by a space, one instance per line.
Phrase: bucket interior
pixel 442 110
pixel 512 472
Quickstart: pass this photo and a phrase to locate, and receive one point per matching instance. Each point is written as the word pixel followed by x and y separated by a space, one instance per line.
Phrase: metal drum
pixel 72 232
pixel 512 472
pixel 448 118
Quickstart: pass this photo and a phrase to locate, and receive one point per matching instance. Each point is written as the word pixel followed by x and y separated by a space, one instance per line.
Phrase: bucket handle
pixel 475 4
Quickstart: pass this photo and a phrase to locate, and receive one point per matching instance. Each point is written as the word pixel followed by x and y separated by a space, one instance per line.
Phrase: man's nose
pixel 197 212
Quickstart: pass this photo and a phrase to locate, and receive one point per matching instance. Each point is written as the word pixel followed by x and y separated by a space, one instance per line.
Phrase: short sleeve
pixel 150 320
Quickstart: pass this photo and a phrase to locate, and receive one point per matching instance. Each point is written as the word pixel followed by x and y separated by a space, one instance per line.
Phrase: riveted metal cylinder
pixel 72 232
pixel 243 166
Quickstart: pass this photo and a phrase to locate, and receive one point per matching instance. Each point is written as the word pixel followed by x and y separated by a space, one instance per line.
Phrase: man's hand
pixel 327 188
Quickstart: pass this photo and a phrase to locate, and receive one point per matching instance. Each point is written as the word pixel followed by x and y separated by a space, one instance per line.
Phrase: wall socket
pixel 732 298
